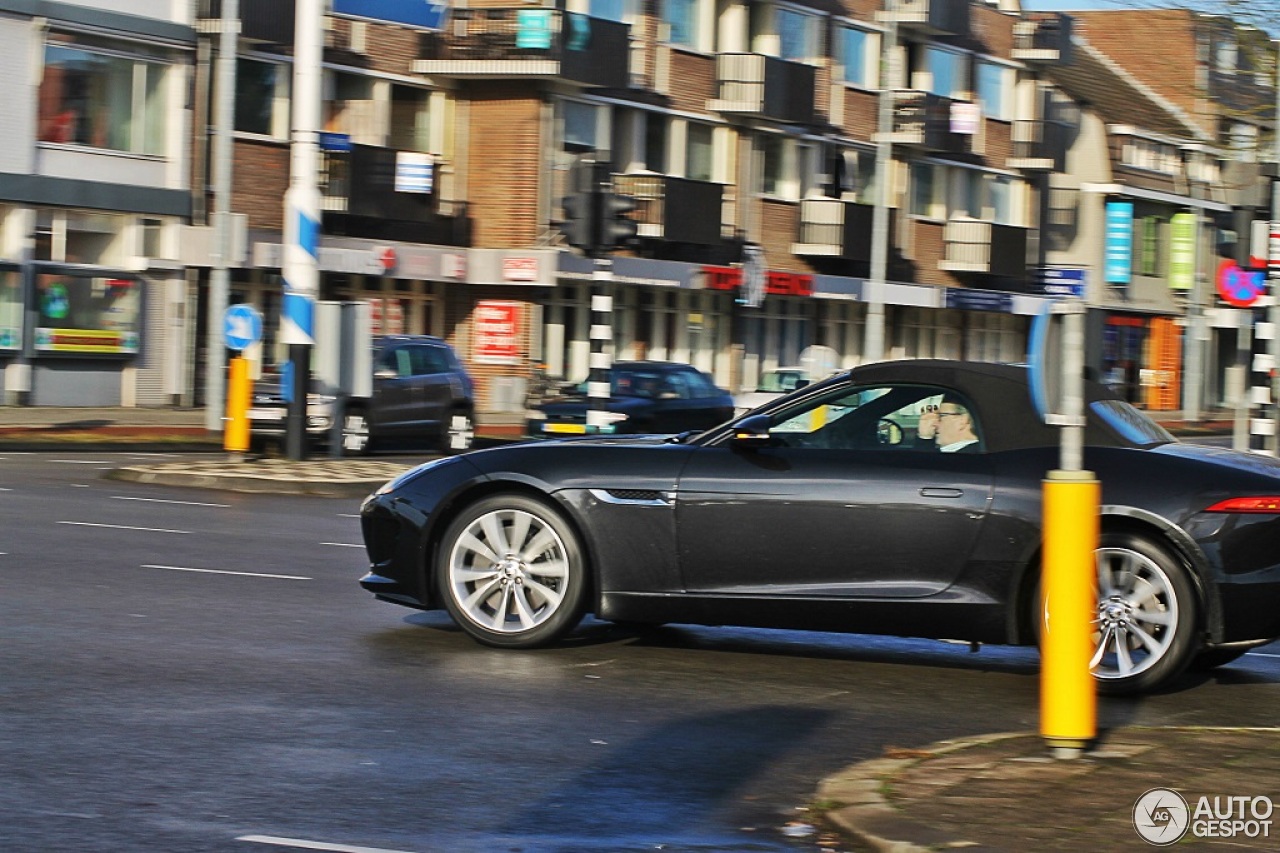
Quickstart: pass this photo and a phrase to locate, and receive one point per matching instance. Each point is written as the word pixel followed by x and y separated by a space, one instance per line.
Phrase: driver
pixel 949 425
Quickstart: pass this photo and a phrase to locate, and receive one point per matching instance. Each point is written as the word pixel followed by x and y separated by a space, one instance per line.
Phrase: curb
pixel 356 488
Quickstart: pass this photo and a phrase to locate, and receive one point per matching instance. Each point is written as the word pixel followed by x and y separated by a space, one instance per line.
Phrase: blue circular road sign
pixel 241 327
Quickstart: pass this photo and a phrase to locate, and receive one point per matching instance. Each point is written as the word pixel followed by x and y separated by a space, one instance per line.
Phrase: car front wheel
pixel 1145 624
pixel 511 573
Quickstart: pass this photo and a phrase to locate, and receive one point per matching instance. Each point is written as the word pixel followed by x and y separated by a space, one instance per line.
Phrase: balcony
pixel 264 20
pixel 924 120
pixel 971 245
pixel 831 227
pixel 676 210
pixel 752 84
pixel 935 17
pixel 1042 37
pixel 528 42
pixel 1039 145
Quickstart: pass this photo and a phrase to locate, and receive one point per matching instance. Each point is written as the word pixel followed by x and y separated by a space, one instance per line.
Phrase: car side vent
pixel 635 494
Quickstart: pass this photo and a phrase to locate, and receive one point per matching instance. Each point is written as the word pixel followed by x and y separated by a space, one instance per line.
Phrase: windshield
pixel 781 381
pixel 1130 423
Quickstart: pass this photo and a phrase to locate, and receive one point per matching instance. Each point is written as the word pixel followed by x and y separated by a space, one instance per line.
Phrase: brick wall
pixel 779 225
pixel 504 159
pixel 389 48
pixel 259 181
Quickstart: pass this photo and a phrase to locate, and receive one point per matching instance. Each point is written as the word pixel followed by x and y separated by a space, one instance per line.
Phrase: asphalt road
pixel 193 670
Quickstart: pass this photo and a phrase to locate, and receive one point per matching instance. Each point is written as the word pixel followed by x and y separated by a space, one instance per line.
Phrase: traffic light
pixel 616 228
pixel 579 220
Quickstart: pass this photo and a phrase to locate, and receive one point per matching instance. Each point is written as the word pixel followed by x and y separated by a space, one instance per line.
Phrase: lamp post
pixel 873 340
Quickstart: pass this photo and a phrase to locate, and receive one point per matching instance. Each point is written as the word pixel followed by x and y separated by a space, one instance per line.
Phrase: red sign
pixel 519 269
pixel 495 329
pixel 1238 287
pixel 775 283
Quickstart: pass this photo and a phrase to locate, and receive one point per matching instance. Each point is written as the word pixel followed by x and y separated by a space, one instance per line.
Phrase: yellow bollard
pixel 235 438
pixel 1068 604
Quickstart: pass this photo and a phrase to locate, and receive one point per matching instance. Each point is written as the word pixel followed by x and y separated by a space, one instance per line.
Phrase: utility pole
pixel 1273 275
pixel 873 339
pixel 219 277
pixel 301 268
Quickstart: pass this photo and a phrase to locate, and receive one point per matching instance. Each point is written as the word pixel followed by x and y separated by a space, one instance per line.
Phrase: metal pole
pixel 1192 391
pixel 599 381
pixel 219 279
pixel 301 270
pixel 873 340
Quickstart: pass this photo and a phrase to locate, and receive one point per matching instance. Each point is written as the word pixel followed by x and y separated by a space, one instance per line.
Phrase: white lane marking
pixel 342 544
pixel 79 485
pixel 81 461
pixel 163 501
pixel 303 844
pixel 123 527
pixel 227 572
pixel 348 515
pixel 2 489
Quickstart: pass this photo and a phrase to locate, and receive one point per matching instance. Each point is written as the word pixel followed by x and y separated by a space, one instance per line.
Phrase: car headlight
pixel 615 417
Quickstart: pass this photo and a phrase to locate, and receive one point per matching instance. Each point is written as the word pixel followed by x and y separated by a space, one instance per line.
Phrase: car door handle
pixel 936 492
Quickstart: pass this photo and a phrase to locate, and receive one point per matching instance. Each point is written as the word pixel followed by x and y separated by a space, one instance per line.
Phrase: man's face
pixel 954 424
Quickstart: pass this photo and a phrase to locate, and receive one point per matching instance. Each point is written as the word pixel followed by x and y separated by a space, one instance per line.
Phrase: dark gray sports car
pixel 840 508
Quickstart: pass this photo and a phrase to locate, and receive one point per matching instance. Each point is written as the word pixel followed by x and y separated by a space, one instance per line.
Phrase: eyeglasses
pixel 950 414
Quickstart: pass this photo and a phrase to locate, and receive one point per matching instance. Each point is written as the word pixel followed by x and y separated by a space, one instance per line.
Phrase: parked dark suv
pixel 421 393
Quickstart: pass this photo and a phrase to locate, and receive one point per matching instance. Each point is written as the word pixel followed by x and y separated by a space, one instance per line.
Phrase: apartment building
pixel 94 185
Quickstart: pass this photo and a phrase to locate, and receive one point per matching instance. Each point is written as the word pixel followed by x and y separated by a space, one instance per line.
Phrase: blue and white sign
pixel 1055 281
pixel 241 327
pixel 416 13
pixel 1119 242
pixel 415 173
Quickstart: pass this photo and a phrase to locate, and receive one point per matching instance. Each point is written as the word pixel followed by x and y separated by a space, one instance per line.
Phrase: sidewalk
pixel 1002 792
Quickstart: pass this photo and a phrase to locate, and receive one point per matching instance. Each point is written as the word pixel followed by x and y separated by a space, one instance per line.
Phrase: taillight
pixel 1257 504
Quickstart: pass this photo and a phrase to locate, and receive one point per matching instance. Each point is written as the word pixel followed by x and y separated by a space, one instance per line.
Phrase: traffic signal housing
pixel 580 219
pixel 616 228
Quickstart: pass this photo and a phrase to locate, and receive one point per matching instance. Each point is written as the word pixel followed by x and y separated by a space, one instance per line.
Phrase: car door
pixel 433 384
pixel 843 503
pixel 394 392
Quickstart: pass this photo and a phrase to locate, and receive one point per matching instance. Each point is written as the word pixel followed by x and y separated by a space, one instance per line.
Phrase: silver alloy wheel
pixel 508 571
pixel 1137 615
pixel 461 433
pixel 355 432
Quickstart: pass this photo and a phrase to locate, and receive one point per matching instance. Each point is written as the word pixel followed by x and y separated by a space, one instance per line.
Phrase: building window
pixel 262 98
pixel 610 10
pixel 684 22
pixel 1147 258
pixel 798 35
pixel 700 152
pixel 859 51
pixel 580 125
pixel 927 191
pixel 943 73
pixel 655 143
pixel 771 168
pixel 410 128
pixel 102 100
pixel 993 86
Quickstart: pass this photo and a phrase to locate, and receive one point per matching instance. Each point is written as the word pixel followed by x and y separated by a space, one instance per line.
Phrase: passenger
pixel 949 426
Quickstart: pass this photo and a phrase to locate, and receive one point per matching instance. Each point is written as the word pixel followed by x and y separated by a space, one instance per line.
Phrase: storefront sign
pixel 775 283
pixel 415 172
pixel 1052 281
pixel 979 300
pixel 496 332
pixel 519 269
pixel 417 13
pixel 10 310
pixel 1119 242
pixel 88 314
pixel 1182 251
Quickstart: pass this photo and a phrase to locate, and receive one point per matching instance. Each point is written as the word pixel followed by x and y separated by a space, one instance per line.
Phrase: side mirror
pixel 752 431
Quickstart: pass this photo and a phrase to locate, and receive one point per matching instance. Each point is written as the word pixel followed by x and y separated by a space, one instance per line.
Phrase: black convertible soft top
pixel 1001 393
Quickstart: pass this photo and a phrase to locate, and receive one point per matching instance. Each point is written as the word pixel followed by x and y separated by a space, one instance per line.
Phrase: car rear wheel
pixel 511 572
pixel 459 434
pixel 355 433
pixel 1145 623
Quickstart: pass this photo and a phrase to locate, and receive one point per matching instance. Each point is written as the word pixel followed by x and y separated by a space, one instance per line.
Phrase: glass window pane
pixel 993 90
pixel 698 164
pixel 153 110
pixel 579 124
pixel 923 189
pixel 854 44
pixel 655 143
pixel 682 17
pixel 610 10
pixel 410 119
pixel 771 173
pixel 255 95
pixel 943 68
pixel 10 310
pixel 797 34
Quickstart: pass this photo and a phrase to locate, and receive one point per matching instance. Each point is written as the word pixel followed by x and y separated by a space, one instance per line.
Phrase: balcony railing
pixel 924 120
pixel 527 42
pixel 367 181
pixel 831 227
pixel 262 20
pixel 984 247
pixel 678 210
pixel 938 17
pixel 1039 145
pixel 765 86
pixel 1042 37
